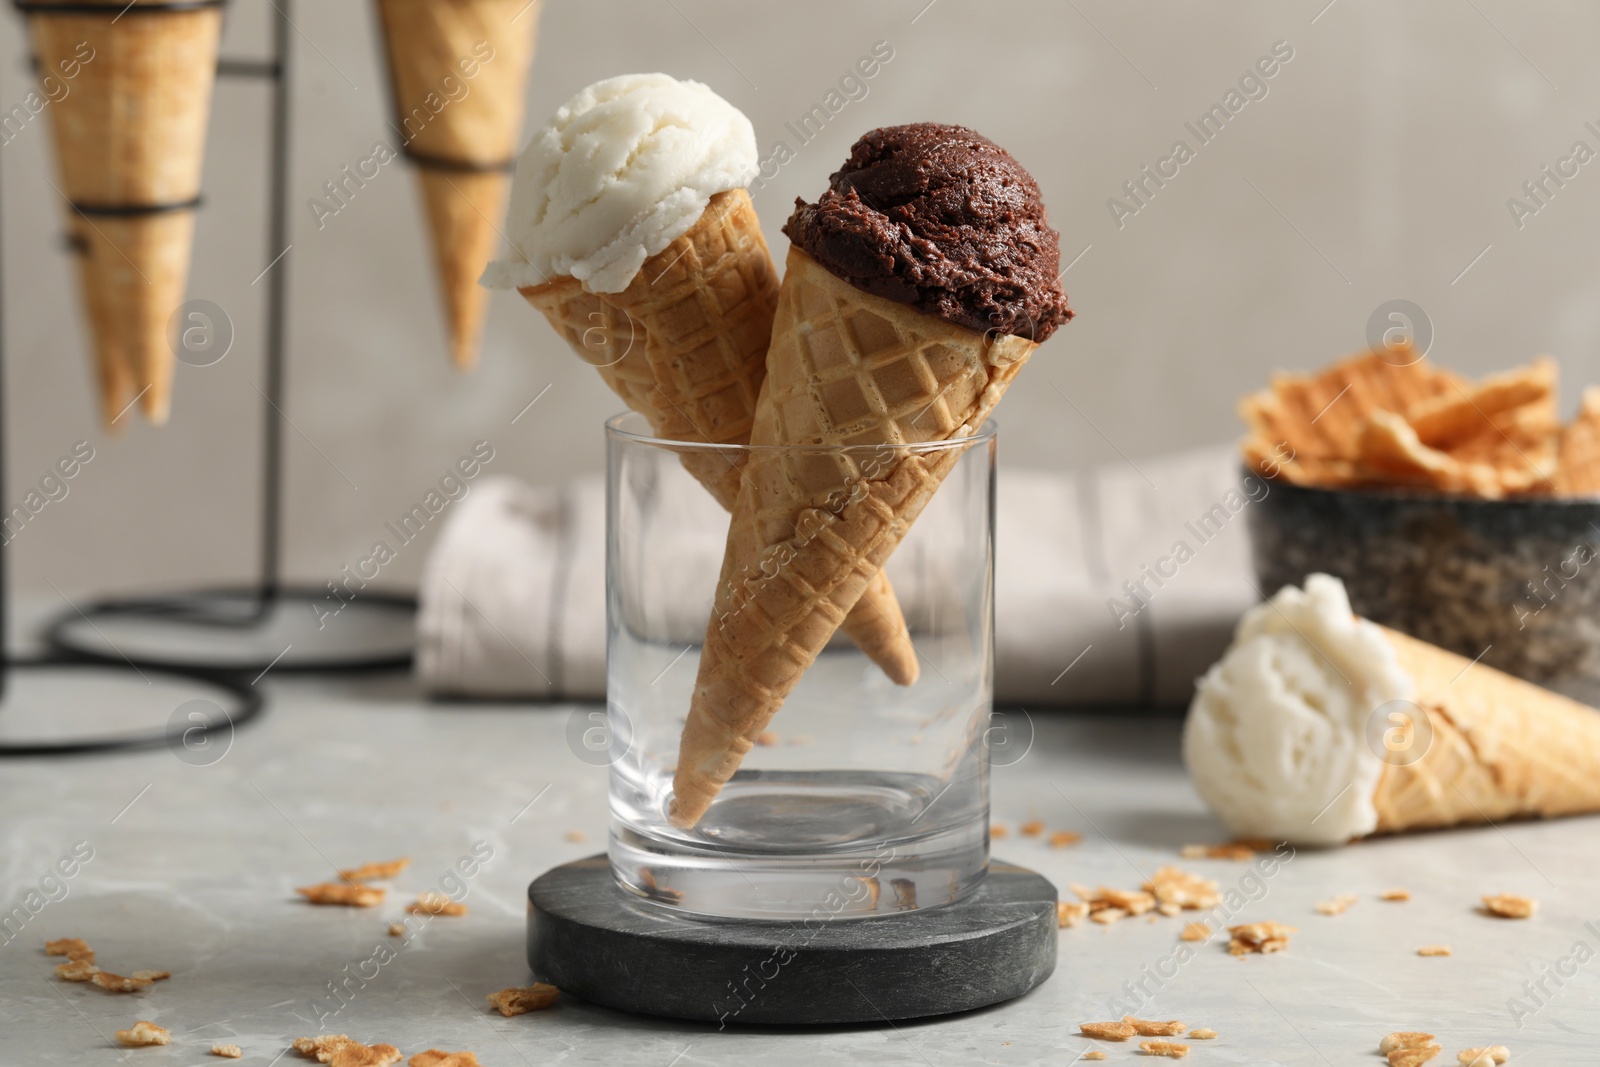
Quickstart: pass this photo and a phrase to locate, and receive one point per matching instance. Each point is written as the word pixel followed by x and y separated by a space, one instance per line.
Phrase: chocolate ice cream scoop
pixel 945 220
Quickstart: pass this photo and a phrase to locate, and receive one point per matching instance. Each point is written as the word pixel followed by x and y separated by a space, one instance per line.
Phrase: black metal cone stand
pixel 591 939
pixel 269 625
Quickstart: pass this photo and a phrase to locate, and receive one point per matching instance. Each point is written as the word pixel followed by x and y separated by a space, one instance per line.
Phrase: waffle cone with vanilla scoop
pixel 1318 727
pixel 675 313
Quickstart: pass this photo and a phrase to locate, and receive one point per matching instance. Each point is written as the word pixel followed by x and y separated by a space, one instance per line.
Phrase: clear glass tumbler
pixel 863 797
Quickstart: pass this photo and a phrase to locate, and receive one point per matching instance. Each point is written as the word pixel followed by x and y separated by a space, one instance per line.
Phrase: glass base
pixel 864 854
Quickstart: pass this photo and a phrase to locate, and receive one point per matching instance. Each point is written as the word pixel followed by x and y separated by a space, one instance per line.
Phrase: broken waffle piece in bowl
pixel 1394 418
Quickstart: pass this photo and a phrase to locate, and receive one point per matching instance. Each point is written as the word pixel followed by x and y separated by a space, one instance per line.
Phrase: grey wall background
pixel 1377 166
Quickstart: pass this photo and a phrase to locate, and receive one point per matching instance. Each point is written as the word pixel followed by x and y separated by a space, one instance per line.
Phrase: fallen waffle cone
pixel 845 367
pixel 462 129
pixel 1501 748
pixel 685 345
pixel 130 135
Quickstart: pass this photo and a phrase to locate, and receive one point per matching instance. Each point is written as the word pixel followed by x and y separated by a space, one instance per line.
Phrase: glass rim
pixel 615 430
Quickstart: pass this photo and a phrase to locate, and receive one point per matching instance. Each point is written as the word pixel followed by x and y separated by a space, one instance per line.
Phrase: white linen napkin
pixel 512 603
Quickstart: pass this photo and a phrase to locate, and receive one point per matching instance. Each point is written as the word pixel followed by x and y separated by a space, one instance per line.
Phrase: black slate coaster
pixel 596 941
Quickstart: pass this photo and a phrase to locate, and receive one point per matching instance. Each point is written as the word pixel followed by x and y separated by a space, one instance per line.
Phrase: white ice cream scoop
pixel 623 169
pixel 1277 734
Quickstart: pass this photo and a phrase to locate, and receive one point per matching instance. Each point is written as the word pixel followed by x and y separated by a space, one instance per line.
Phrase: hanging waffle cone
pixel 845 367
pixel 130 134
pixel 464 142
pixel 685 345
pixel 1501 748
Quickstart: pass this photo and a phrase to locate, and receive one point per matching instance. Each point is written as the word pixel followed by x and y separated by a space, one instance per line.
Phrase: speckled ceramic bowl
pixel 1518 578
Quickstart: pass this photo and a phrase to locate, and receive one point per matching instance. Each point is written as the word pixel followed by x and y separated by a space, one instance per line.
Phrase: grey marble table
pixel 193 869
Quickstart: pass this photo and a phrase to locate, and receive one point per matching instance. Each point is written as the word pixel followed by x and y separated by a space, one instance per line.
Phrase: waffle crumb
pixel 1414 1056
pixel 1337 906
pixel 1118 1031
pixel 519 1000
pixel 1203 1034
pixel 1262 937
pixel 1170 885
pixel 1403 1039
pixel 655 891
pixel 1195 932
pixel 356 1054
pixel 767 738
pixel 152 976
pixel 343 894
pixel 115 983
pixel 1510 906
pixel 436 1058
pixel 575 836
pixel 905 894
pixel 1068 913
pixel 1434 950
pixel 338 1050
pixel 227 1052
pixel 1169 910
pixel 435 904
pixel 143 1033
pixel 1153 1028
pixel 1395 894
pixel 76 971
pixel 1233 850
pixel 74 948
pixel 1031 828
pixel 1065 838
pixel 1488 1056
pixel 1126 901
pixel 997 831
pixel 397 929
pixel 1107 916
pixel 1094 1054
pixel 322 1047
pixel 1172 1050
pixel 376 872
